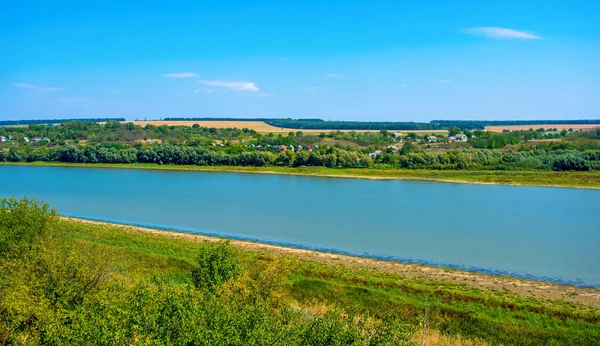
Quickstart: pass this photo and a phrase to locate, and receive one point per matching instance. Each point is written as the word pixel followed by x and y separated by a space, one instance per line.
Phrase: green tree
pixel 453 131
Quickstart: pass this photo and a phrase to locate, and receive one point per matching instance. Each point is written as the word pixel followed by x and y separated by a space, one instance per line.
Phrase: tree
pixel 453 131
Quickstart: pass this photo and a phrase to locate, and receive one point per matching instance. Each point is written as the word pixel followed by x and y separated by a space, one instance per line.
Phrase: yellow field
pixel 258 126
pixel 545 126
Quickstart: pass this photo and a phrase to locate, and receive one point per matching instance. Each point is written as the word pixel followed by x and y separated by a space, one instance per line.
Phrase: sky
pixel 399 60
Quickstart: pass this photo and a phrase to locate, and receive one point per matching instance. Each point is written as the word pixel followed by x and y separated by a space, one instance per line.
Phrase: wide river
pixel 532 232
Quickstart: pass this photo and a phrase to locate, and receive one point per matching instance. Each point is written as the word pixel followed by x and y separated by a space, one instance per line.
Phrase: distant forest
pixel 481 124
pixel 54 121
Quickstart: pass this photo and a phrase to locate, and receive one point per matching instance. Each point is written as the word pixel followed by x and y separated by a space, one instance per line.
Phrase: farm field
pixel 258 126
pixel 537 126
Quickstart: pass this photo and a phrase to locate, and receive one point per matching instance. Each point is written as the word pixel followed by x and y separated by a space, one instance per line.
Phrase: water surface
pixel 532 232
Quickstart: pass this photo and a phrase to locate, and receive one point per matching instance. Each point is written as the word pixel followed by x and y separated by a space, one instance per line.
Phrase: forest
pixel 115 142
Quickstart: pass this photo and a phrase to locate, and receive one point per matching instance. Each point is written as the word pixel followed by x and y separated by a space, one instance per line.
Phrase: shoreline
pixel 587 296
pixel 501 178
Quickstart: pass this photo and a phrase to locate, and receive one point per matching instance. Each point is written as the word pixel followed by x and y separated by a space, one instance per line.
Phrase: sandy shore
pixel 527 288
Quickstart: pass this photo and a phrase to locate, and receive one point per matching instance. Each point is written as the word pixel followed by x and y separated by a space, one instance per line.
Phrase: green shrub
pixel 21 221
pixel 216 263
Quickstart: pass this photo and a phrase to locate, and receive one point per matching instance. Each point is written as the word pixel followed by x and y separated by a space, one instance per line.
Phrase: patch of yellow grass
pixel 435 338
pixel 258 126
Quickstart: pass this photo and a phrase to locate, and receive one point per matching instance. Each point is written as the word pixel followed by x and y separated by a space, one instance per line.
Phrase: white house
pixel 2 139
pixel 375 154
pixel 460 137
pixel 431 139
pixel 26 139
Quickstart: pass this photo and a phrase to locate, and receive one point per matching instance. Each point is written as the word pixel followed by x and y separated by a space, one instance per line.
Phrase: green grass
pixel 528 178
pixel 454 308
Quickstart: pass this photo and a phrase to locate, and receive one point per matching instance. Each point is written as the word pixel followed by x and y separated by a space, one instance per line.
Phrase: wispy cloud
pixel 497 32
pixel 334 75
pixel 181 75
pixel 75 99
pixel 445 81
pixel 265 95
pixel 233 85
pixel 284 59
pixel 36 87
pixel 203 90
pixel 312 89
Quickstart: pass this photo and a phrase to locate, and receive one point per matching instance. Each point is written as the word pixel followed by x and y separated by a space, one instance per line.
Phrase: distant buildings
pixel 431 139
pixel 2 139
pixel 375 154
pixel 25 139
pixel 458 138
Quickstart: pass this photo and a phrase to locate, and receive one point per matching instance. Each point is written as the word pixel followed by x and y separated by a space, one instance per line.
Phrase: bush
pixel 216 263
pixel 21 221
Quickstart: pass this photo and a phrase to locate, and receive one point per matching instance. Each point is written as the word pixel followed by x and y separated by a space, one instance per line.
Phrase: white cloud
pixel 334 75
pixel 36 87
pixel 233 85
pixel 204 90
pixel 312 89
pixel 497 32
pixel 76 99
pixel 445 81
pixel 181 75
pixel 264 95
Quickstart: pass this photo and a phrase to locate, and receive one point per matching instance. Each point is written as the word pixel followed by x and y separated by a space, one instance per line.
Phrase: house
pixel 460 137
pixel 291 147
pixel 375 154
pixel 26 139
pixel 37 139
pixel 299 148
pixel 282 148
pixel 397 134
pixel 2 139
pixel 392 148
pixel 431 139
pixel 315 147
pixel 309 148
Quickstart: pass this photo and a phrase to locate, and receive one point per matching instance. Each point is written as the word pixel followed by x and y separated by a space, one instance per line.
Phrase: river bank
pixel 584 296
pixel 587 180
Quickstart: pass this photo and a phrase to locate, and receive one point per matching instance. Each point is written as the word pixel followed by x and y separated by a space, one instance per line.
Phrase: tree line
pixel 55 121
pixel 408 158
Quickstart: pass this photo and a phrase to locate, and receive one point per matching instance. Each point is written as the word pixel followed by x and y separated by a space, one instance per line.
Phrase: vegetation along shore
pixel 68 281
pixel 543 156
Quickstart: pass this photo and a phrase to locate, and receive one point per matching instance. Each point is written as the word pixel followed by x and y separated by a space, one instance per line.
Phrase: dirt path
pixel 527 288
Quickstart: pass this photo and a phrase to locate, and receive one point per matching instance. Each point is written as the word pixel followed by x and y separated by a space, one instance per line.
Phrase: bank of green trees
pixel 113 142
pixel 458 159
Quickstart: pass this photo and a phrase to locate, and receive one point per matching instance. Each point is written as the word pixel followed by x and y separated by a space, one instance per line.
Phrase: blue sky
pixel 372 60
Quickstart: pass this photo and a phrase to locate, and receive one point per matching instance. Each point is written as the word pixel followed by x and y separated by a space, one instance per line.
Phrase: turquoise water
pixel 532 232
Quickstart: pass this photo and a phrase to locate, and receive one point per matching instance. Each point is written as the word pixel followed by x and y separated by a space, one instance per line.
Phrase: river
pixel 541 233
